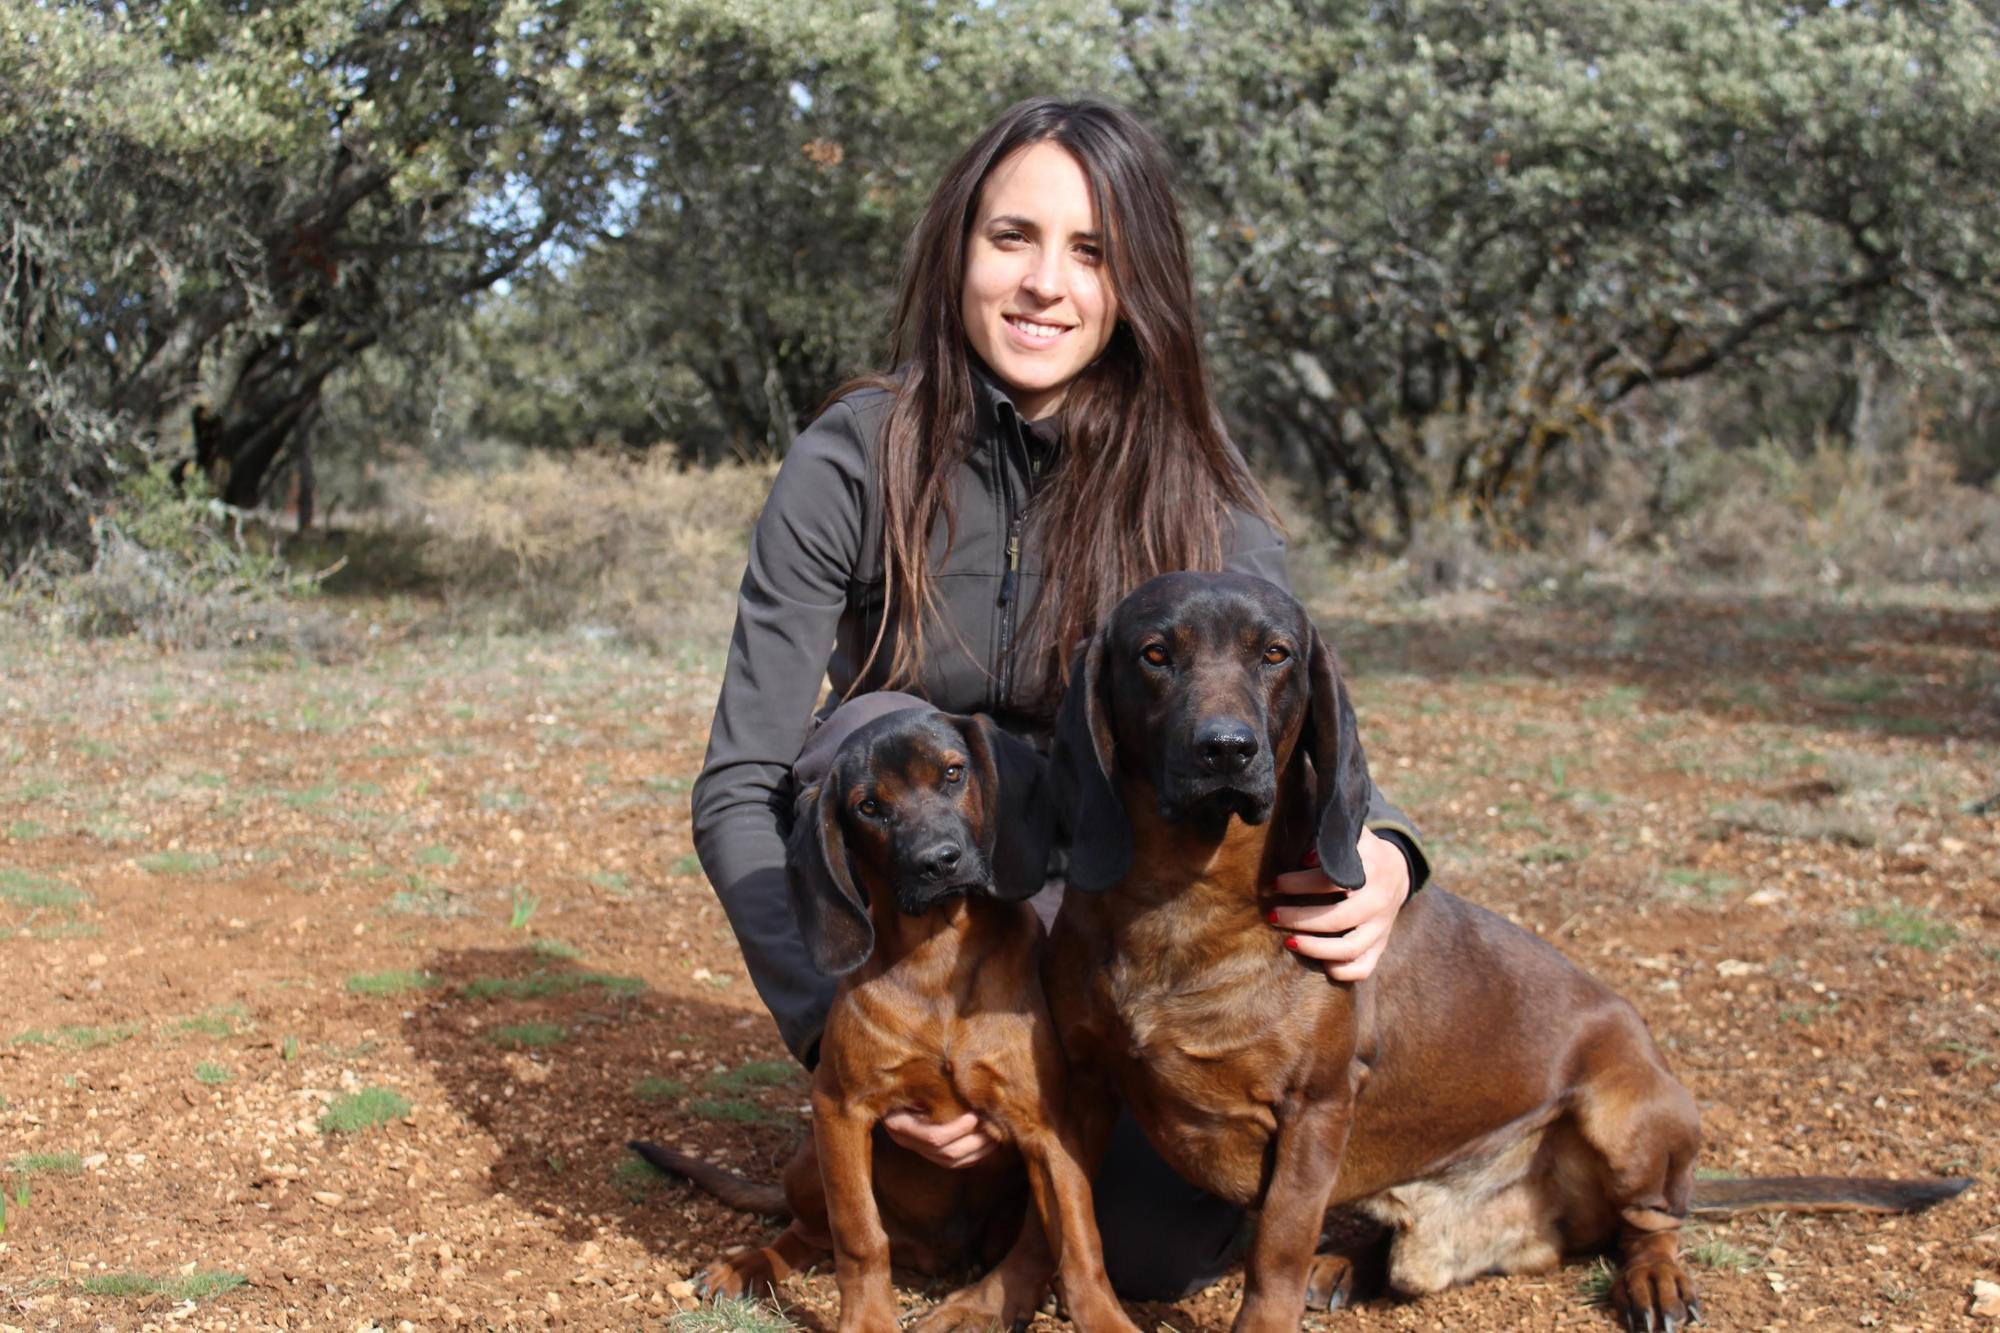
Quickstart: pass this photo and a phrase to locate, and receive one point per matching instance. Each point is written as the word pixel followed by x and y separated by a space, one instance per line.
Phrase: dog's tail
pixel 1823 1194
pixel 744 1195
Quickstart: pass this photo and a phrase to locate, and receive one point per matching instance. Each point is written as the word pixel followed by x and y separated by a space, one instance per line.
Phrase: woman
pixel 1045 444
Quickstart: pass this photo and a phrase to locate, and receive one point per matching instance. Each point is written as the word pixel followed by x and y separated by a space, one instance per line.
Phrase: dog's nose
pixel 940 860
pixel 1226 748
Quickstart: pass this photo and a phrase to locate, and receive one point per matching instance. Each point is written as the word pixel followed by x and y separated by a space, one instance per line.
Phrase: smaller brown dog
pixel 910 881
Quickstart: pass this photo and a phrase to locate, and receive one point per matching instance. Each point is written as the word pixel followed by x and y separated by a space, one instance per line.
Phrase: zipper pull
pixel 1013 574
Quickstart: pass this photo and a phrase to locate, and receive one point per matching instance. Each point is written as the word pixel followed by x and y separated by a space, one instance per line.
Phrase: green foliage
pixel 1911 927
pixel 739 1314
pixel 527 1036
pixel 363 1110
pixel 398 982
pixel 46 1164
pixel 656 1089
pixel 540 984
pixel 193 1287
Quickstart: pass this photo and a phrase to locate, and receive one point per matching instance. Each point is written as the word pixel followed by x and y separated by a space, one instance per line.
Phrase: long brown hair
pixel 1145 478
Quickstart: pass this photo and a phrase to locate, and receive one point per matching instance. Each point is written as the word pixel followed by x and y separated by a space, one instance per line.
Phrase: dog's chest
pixel 1201 1058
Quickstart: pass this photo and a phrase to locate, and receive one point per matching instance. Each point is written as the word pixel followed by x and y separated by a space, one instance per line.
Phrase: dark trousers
pixel 1163 1238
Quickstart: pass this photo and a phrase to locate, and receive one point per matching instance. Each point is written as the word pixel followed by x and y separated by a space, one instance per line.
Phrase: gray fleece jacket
pixel 808 610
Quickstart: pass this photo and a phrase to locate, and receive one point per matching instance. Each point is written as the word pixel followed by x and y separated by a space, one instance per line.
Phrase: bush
pixel 171 563
pixel 642 546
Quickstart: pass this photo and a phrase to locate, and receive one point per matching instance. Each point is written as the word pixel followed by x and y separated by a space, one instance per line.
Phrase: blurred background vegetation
pixel 525 296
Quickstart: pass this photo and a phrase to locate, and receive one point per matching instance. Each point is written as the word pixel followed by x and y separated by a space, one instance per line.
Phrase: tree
pixel 1445 237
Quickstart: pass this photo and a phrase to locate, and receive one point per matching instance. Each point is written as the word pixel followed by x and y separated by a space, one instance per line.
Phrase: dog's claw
pixel 1694 1312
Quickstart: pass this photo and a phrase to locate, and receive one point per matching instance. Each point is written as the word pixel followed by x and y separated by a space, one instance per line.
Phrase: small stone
pixel 1985 1300
pixel 331 1198
pixel 681 1291
pixel 1736 967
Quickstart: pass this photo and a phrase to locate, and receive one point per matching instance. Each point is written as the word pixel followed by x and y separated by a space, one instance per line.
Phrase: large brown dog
pixel 909 879
pixel 1490 1102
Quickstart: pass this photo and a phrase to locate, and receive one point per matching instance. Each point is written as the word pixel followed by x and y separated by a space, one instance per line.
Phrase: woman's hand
pixel 953 1143
pixel 1347 937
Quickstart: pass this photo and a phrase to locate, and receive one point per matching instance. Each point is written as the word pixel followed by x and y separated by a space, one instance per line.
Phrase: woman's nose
pixel 1044 281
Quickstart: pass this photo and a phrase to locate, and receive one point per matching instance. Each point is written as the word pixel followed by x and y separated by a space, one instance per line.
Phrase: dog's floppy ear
pixel 1084 773
pixel 1018 815
pixel 1340 768
pixel 832 917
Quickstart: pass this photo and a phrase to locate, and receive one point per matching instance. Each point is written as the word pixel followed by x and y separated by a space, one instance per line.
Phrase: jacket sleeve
pixel 803 554
pixel 1258 548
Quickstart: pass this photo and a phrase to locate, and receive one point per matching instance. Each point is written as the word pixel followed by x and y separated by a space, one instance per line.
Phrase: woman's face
pixel 1038 302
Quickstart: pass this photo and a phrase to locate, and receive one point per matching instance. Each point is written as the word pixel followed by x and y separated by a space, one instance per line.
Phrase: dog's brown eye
pixel 1277 653
pixel 954 773
pixel 1154 654
pixel 870 807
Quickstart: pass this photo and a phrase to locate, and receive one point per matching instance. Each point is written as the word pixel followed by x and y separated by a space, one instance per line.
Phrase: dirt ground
pixel 237 889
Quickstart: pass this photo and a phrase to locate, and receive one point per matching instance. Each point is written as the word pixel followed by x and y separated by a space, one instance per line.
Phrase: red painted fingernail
pixel 1272 916
pixel 1312 856
pixel 1291 942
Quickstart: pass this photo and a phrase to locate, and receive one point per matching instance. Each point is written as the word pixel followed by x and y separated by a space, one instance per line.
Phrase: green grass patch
pixel 1594 1285
pixel 733 1111
pixel 24 888
pixel 528 1036
pixel 732 1314
pixel 211 1074
pixel 363 1110
pixel 1717 1253
pixel 1711 883
pixel 400 982
pixel 26 830
pixel 541 984
pixel 79 1038
pixel 421 897
pixel 217 1022
pixel 755 1074
pixel 504 800
pixel 179 863
pixel 193 1287
pixel 311 798
pixel 1908 926
pixel 437 857
pixel 556 949
pixel 654 1088
pixel 635 1178
pixel 1548 854
pixel 689 864
pixel 46 1164
pixel 523 909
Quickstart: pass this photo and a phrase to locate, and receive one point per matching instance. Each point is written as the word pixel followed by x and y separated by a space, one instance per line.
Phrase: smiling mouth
pixel 1033 329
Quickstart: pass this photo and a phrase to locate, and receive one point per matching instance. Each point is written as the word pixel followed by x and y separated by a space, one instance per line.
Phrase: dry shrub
pixel 171 564
pixel 1834 515
pixel 641 546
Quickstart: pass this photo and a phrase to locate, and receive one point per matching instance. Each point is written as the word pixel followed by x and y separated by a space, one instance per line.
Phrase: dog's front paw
pixel 1329 1282
pixel 993 1303
pixel 750 1271
pixel 1653 1294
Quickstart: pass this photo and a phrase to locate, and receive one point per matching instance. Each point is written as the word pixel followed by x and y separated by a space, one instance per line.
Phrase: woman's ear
pixel 832 916
pixel 1084 774
pixel 1339 768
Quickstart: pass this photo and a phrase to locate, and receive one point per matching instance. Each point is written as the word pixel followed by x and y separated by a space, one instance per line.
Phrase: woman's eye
pixel 1277 653
pixel 1154 654
pixel 1089 254
pixel 954 774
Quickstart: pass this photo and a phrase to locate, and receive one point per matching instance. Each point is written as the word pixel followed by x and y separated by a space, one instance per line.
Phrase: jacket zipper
pixel 1010 582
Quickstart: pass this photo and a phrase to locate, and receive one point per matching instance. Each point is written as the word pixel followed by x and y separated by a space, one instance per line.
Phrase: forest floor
pixel 334 989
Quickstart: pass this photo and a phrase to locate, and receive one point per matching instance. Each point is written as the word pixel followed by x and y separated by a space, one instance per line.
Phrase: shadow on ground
pixel 562 1065
pixel 1899 670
